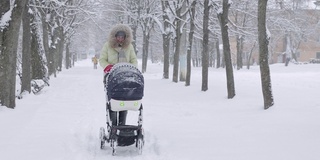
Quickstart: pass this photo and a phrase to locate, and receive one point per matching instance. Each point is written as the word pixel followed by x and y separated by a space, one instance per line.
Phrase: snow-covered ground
pixel 62 123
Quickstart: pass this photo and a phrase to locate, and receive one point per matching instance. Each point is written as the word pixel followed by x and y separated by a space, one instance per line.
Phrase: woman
pixel 118 49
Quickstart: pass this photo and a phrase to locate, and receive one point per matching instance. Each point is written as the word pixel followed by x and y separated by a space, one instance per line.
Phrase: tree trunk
pixel 51 61
pixel 45 31
pixel 26 49
pixel 37 62
pixel 263 58
pixel 45 37
pixel 166 53
pixel 53 51
pixel 145 50
pixel 183 45
pixel 226 48
pixel 60 47
pixel 250 55
pixel 240 37
pixel 9 51
pixel 205 54
pixel 68 57
pixel 177 47
pixel 218 53
pixel 166 40
pixel 134 37
pixel 192 26
pixel 239 51
pixel 4 7
pixel 135 21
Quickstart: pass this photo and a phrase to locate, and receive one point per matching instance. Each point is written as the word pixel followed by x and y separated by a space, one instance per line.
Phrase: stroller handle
pixel 105 78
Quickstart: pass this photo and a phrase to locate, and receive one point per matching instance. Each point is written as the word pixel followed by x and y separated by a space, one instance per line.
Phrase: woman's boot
pixel 122 117
pixel 113 117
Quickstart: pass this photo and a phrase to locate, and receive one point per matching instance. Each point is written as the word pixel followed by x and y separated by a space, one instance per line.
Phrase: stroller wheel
pixel 107 135
pixel 102 144
pixel 102 137
pixel 113 144
pixel 113 151
pixel 140 144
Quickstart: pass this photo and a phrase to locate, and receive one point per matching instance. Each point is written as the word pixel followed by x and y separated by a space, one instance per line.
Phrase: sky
pixel 62 122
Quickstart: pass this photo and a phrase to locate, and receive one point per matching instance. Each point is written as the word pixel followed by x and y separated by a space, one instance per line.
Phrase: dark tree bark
pixel 240 41
pixel 177 46
pixel 226 48
pixel 166 40
pixel 9 52
pixel 68 56
pixel 52 59
pixel 134 36
pixel 183 43
pixel 45 39
pixel 26 49
pixel 263 58
pixel 240 20
pixel 250 55
pixel 38 68
pixel 49 51
pixel 136 7
pixel 218 53
pixel 60 48
pixel 205 48
pixel 146 25
pixel 4 7
pixel 192 26
pixel 145 48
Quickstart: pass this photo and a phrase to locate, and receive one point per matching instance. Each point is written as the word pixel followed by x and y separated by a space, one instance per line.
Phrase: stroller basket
pixel 126 131
pixel 126 135
pixel 124 82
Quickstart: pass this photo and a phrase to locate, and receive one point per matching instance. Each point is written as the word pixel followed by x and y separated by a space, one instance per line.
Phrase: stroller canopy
pixel 124 82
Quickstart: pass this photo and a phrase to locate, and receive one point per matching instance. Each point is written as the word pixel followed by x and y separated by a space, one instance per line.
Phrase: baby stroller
pixel 124 86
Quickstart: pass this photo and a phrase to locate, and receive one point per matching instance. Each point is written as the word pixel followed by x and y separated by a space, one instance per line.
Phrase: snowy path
pixel 62 123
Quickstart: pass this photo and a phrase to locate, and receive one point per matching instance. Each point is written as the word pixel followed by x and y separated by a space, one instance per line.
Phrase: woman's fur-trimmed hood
pixel 120 27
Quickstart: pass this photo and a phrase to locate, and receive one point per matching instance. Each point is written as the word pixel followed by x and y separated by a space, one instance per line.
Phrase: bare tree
pixel 183 43
pixel 240 20
pixel 263 59
pixel 223 17
pixel 147 25
pixel 189 49
pixel 166 35
pixel 178 27
pixel 46 20
pixel 250 55
pixel 38 59
pixel 217 44
pixel 4 8
pixel 9 45
pixel 205 48
pixel 26 52
pixel 134 8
